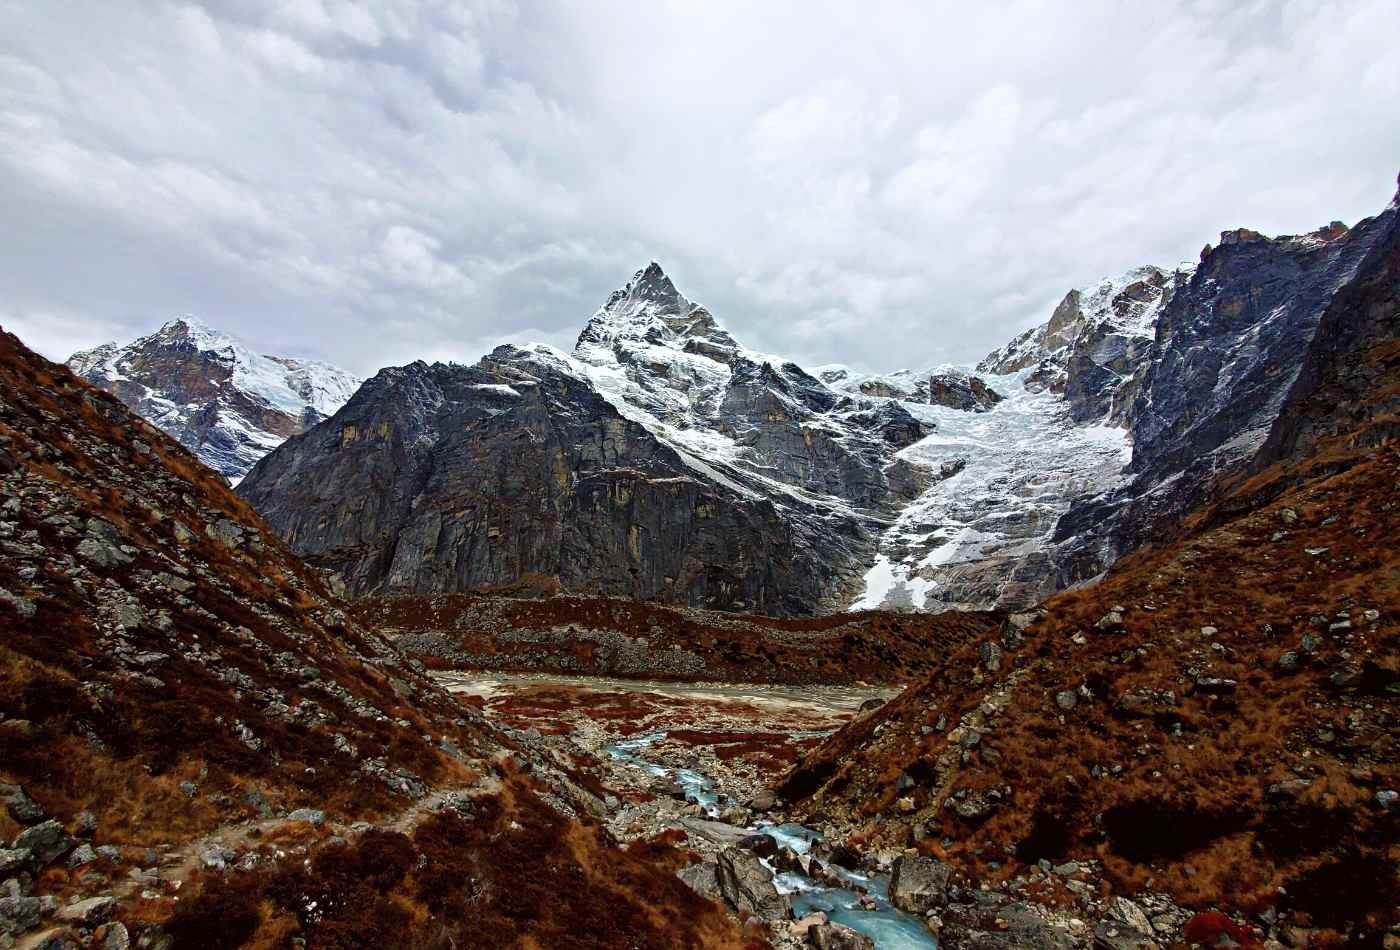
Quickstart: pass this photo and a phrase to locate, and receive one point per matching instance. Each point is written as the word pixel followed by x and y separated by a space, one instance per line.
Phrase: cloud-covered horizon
pixel 883 184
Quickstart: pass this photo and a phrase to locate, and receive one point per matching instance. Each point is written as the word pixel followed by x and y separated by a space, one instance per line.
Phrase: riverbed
pixel 688 755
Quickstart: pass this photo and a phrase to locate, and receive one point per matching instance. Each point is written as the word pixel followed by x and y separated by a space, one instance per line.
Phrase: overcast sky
pixel 880 184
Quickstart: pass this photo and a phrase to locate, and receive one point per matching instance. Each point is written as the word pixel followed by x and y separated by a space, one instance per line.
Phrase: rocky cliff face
pixel 1094 342
pixel 1231 343
pixel 227 404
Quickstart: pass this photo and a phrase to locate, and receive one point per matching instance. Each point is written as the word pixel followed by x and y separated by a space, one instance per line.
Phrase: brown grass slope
pixel 166 665
pixel 612 636
pixel 1217 718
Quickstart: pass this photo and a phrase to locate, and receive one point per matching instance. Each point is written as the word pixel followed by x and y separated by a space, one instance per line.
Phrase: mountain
pixel 660 460
pixel 227 404
pixel 200 747
pixel 1214 722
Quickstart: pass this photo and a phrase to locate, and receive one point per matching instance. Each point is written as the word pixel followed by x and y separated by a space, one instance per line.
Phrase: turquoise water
pixel 889 927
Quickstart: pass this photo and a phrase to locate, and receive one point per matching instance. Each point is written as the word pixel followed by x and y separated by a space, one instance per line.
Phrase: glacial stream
pixel 889 927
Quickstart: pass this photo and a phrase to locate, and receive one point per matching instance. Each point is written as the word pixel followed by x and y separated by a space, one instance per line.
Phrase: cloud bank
pixel 881 184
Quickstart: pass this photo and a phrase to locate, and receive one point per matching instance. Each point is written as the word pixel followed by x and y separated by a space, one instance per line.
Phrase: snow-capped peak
pixel 227 403
pixel 649 308
pixel 199 334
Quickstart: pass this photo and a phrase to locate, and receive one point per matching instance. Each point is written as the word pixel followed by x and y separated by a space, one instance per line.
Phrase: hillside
pixel 198 743
pixel 1216 720
pixel 616 637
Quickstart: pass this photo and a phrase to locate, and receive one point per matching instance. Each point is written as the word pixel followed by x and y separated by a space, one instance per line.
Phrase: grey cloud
pixel 882 184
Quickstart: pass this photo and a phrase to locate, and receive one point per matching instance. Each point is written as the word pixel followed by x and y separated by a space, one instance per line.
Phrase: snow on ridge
pixel 217 427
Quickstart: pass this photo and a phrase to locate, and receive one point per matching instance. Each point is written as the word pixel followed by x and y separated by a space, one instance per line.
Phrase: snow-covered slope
pixel 224 402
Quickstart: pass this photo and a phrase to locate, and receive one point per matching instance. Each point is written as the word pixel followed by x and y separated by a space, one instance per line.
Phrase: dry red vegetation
pixel 1191 761
pixel 252 636
pixel 874 646
pixel 512 874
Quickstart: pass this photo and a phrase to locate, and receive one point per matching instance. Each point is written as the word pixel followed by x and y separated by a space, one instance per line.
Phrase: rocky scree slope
pixel 182 702
pixel 227 404
pixel 1215 720
pixel 661 460
pixel 616 637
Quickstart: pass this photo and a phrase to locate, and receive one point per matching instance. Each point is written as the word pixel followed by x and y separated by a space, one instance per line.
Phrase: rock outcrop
pixel 223 402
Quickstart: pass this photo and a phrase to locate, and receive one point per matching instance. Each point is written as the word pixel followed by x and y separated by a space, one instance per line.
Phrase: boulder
pixel 702 879
pixel 919 884
pixel 765 846
pixel 19 914
pixel 47 840
pixel 764 799
pixel 82 854
pixel 748 886
pixel 14 859
pixel 88 913
pixel 57 938
pixel 716 832
pixel 112 936
pixel 833 936
pixel 21 807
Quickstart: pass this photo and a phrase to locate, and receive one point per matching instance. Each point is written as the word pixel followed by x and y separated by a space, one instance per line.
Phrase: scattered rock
pixel 1215 685
pixel 1346 677
pixel 314 816
pixel 1111 622
pixel 1067 699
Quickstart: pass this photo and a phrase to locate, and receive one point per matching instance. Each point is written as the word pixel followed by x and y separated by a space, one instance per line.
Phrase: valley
pixel 666 642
